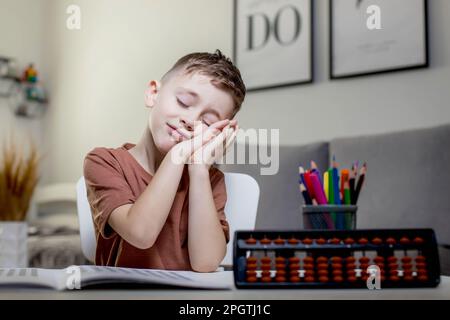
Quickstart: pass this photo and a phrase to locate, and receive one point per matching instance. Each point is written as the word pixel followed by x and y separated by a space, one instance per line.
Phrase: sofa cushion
pixel 408 179
pixel 280 198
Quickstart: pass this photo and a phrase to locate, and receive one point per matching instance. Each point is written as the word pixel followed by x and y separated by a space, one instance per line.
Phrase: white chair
pixel 240 209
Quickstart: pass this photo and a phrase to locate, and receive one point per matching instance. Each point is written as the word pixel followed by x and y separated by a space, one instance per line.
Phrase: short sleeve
pixel 106 187
pixel 220 198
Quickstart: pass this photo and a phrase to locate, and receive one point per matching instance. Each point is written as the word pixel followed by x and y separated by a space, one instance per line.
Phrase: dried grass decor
pixel 18 180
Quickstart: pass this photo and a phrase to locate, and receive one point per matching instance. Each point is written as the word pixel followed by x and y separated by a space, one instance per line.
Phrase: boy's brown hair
pixel 222 71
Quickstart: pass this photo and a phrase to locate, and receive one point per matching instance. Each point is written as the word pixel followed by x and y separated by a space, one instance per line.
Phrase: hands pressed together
pixel 201 148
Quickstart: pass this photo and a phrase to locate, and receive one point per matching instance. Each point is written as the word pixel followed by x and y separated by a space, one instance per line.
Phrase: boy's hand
pixel 191 142
pixel 204 157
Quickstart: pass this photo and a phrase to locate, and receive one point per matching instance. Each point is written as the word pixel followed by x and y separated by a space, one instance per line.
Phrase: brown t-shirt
pixel 114 178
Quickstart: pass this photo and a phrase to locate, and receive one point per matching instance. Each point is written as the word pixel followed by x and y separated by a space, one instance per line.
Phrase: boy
pixel 159 204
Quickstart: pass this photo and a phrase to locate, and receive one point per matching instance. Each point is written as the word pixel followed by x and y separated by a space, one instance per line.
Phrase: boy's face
pixel 181 101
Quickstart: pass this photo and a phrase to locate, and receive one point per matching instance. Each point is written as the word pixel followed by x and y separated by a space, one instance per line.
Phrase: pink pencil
pixel 320 196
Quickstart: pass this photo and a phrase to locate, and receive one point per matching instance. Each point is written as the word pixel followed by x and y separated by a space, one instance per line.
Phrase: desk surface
pixel 440 292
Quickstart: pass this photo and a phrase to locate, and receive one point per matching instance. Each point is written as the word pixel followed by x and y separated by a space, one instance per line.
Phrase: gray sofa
pixel 407 184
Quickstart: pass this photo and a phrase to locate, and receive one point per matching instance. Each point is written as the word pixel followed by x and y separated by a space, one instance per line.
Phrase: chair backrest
pixel 240 210
pixel 87 232
pixel 241 206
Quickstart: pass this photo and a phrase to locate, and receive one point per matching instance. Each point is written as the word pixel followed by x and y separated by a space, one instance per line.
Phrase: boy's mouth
pixel 173 131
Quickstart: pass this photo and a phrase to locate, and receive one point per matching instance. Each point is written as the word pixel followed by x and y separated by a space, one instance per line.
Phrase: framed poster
pixel 273 42
pixel 396 40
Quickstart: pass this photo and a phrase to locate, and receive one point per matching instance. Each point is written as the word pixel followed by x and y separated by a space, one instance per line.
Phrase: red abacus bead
pixel 335 241
pixel 294 266
pixel 350 259
pixel 407 273
pixel 322 266
pixel 321 241
pixel 337 272
pixel 321 260
pixel 378 259
pixel 294 279
pixel 364 266
pixel 407 266
pixel 393 266
pixel 338 279
pixel 309 273
pixel 351 273
pixel 380 265
pixel 391 241
pixel 363 241
pixel 394 278
pixel 293 241
pixel 308 260
pixel 252 260
pixel 336 265
pixel 364 260
pixel 382 278
pixel 404 240
pixel 349 241
pixel 266 267
pixel 422 272
pixel 322 272
pixel 293 273
pixel 294 260
pixel 323 279
pixel 266 259
pixel 406 259
pixel 307 241
pixel 309 279
pixel 252 279
pixel 408 278
pixel 265 273
pixel 280 266
pixel 364 277
pixel 251 273
pixel 251 266
pixel 422 278
pixel 265 241
pixel 279 241
pixel 420 259
pixel 351 278
pixel 308 266
pixel 266 279
pixel 393 272
pixel 421 265
pixel 281 272
pixel 280 279
pixel 418 240
pixel 251 241
pixel 280 260
pixel 336 259
pixel 377 241
pixel 351 266
pixel 392 259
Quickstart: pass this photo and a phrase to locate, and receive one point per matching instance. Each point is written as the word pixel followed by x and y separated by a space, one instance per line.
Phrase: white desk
pixel 441 292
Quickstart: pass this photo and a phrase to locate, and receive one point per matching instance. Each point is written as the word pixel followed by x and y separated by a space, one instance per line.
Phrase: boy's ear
pixel 151 93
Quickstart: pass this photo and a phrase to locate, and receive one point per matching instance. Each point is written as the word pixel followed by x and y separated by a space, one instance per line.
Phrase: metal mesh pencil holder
pixel 329 217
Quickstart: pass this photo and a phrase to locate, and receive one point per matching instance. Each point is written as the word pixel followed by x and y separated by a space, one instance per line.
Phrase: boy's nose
pixel 188 125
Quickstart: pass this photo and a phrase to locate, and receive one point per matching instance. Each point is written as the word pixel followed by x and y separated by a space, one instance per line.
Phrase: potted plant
pixel 18 180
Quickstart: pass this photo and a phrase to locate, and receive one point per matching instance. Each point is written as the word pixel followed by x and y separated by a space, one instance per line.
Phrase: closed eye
pixel 181 103
pixel 206 123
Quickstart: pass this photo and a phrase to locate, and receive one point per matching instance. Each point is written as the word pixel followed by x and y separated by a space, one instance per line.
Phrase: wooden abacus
pixel 336 258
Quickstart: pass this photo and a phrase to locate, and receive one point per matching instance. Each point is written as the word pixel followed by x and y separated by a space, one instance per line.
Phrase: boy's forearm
pixel 206 241
pixel 149 213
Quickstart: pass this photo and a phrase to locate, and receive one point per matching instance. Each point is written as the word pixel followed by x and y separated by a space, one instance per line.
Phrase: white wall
pixel 97 77
pixel 21 36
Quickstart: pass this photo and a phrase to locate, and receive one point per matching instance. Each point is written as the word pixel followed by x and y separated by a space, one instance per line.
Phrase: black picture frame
pixel 275 84
pixel 334 76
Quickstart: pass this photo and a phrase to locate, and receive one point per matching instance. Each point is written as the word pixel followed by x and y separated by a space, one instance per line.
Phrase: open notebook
pixel 78 277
